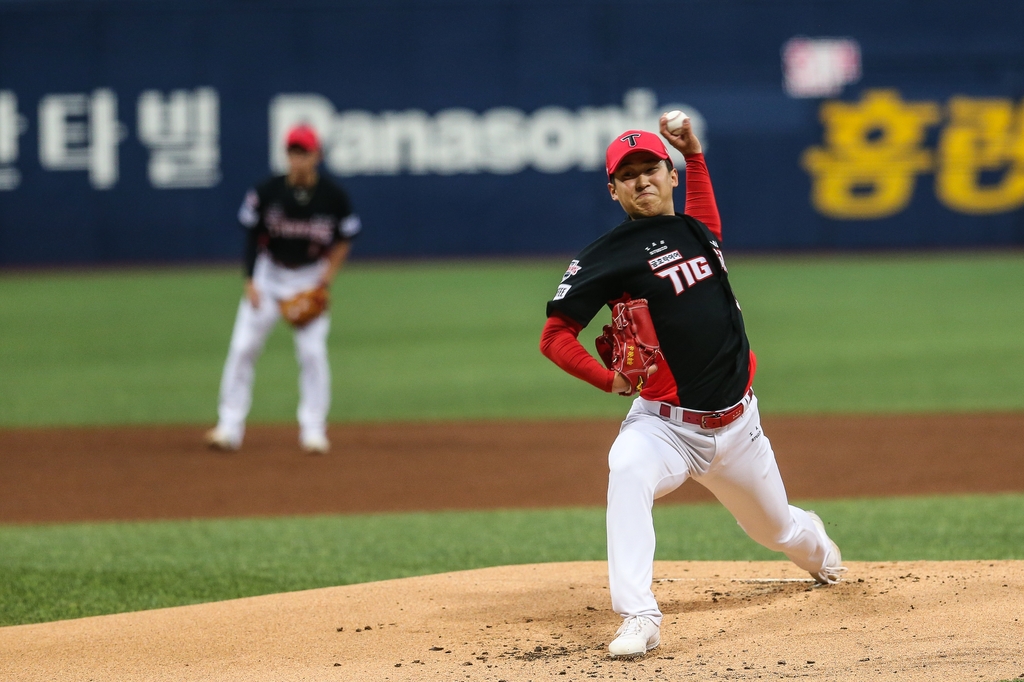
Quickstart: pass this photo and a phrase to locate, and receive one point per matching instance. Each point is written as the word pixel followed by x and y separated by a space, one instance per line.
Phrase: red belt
pixel 708 420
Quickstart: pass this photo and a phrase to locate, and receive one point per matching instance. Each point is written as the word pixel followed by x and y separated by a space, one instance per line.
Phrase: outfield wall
pixel 130 129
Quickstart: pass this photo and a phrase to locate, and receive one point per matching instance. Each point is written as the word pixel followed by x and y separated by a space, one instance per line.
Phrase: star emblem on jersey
pixel 655 247
pixel 574 267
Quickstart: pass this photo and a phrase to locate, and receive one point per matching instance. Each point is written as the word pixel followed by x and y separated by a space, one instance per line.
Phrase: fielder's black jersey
pixel 295 225
pixel 676 264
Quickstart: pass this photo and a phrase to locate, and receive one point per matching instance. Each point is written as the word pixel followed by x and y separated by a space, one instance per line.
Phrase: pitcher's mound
pixel 728 620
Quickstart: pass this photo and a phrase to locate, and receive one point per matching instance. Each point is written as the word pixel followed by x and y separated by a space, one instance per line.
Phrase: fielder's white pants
pixel 652 457
pixel 252 325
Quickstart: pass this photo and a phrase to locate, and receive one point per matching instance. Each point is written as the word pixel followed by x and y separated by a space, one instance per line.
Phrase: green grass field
pixel 459 340
pixel 68 571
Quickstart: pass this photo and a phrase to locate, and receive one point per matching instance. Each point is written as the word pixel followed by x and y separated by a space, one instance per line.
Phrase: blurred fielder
pixel 300 228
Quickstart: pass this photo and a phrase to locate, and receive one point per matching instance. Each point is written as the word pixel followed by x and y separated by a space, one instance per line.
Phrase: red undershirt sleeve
pixel 700 198
pixel 753 370
pixel 559 343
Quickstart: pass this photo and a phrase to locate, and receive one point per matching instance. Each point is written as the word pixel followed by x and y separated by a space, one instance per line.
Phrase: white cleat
pixel 220 440
pixel 832 571
pixel 637 636
pixel 316 445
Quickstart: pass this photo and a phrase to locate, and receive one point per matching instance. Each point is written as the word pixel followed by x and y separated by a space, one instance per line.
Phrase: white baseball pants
pixel 652 457
pixel 252 325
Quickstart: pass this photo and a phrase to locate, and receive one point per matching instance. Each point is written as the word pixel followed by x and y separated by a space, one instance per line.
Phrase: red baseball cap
pixel 630 142
pixel 303 136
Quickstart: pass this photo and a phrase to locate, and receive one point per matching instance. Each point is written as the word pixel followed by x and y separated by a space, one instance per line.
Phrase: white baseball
pixel 675 120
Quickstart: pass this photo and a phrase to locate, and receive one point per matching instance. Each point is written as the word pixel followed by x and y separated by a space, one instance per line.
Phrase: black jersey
pixel 676 264
pixel 295 225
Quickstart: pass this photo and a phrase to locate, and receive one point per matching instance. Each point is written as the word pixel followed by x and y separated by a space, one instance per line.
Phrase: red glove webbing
pixel 700 198
pixel 559 343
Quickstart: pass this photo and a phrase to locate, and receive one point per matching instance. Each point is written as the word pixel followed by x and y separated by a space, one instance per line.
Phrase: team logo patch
pixel 661 261
pixel 574 267
pixel 630 139
pixel 563 289
pixel 721 258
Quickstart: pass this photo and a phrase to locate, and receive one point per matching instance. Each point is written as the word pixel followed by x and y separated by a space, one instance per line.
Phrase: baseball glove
pixel 629 344
pixel 305 306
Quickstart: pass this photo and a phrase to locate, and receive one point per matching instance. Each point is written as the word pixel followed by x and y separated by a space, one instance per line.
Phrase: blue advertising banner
pixel 130 130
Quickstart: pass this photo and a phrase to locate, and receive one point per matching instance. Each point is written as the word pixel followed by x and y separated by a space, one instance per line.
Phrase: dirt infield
pixel 165 472
pixel 733 621
pixel 736 621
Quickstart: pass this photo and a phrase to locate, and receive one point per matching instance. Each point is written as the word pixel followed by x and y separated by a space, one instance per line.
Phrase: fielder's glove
pixel 629 344
pixel 305 306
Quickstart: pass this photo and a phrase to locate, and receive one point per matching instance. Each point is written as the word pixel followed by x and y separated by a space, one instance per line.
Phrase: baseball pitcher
pixel 677 340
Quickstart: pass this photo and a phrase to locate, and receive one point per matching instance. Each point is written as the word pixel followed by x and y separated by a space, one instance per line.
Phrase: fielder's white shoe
pixel 637 636
pixel 833 569
pixel 315 445
pixel 221 440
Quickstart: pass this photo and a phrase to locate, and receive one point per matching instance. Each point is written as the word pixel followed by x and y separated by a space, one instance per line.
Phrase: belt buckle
pixel 712 415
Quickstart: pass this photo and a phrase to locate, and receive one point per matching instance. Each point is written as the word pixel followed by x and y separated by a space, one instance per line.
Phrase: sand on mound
pixel 729 620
